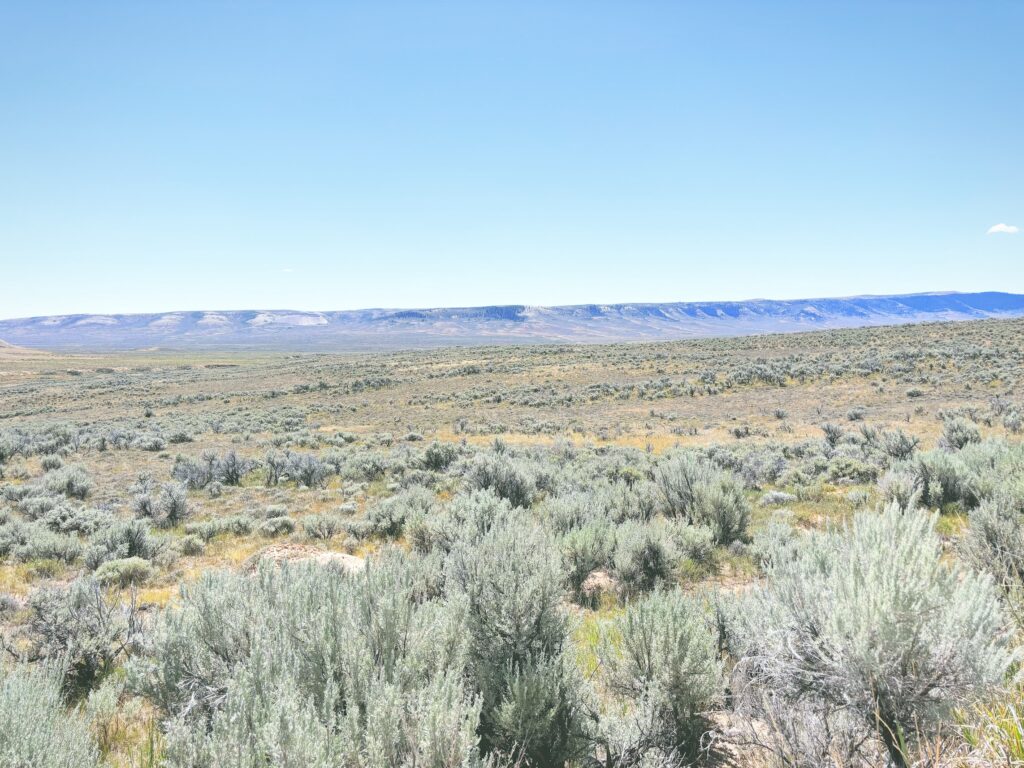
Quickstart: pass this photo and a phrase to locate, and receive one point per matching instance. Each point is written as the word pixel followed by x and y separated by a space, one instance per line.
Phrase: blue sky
pixel 175 155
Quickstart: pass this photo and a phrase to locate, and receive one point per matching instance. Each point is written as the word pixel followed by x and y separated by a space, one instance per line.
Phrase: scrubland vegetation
pixel 786 551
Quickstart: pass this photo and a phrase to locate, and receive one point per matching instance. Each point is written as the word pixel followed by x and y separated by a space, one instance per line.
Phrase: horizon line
pixel 503 306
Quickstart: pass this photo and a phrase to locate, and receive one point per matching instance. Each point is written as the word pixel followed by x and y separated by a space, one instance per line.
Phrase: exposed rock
pixel 302 553
pixel 597 583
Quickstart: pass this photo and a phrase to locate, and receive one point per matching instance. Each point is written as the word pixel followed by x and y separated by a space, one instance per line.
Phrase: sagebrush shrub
pixel 439 456
pixel 322 527
pixel 37 542
pixel 231 468
pixel 51 462
pixel 128 538
pixel 36 730
pixel 774 541
pixel 83 630
pixel 308 470
pixel 645 556
pixel 171 507
pixel 507 478
pixel 510 581
pixel 898 445
pixel 871 619
pixel 700 493
pixel 944 478
pixel 994 543
pixel 466 519
pixel 72 481
pixel 958 433
pixel 585 550
pixel 277 526
pixel 900 486
pixel 661 663
pixel 124 572
pixel 388 518
pixel 195 474
pixel 85 520
pixel 305 665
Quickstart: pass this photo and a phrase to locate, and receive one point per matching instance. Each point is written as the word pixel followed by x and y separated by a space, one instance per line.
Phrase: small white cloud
pixel 289 269
pixel 1004 229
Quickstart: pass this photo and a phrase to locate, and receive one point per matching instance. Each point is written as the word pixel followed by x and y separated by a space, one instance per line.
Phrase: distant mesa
pixel 374 329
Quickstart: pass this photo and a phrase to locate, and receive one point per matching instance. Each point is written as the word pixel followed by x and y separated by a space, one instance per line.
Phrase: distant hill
pixel 9 351
pixel 399 328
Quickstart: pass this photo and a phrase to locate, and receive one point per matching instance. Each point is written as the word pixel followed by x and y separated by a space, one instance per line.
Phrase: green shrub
pixel 81 629
pixel 506 478
pixel 84 520
pixel 172 504
pixel 277 526
pixel 693 542
pixel 36 505
pixel 872 620
pixel 239 525
pixel 944 478
pixel 322 527
pixel 439 456
pixel 129 538
pixel 833 434
pixel 898 445
pixel 51 462
pixel 645 556
pixel 467 518
pixel 231 468
pixel 306 665
pixel 900 486
pixel 388 518
pixel 697 491
pixel 307 470
pixel 532 702
pixel 37 542
pixel 124 572
pixel 958 433
pixel 773 542
pixel 994 543
pixel 195 474
pixel 661 664
pixel 190 545
pixel 586 549
pixel 36 731
pixel 72 481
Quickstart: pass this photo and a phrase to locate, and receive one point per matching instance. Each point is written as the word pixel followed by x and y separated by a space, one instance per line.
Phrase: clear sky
pixel 200 155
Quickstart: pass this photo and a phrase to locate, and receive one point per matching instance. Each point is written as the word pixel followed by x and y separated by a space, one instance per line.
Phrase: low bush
pixel 700 493
pixel 307 470
pixel 871 620
pixel 661 663
pixel 123 539
pixel 277 526
pixel 388 518
pixel 322 527
pixel 37 542
pixel 71 481
pixel 645 556
pixel 958 433
pixel 994 544
pixel 84 631
pixel 344 670
pixel 36 730
pixel 437 457
pixel 585 550
pixel 124 572
pixel 506 478
pixel 518 654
